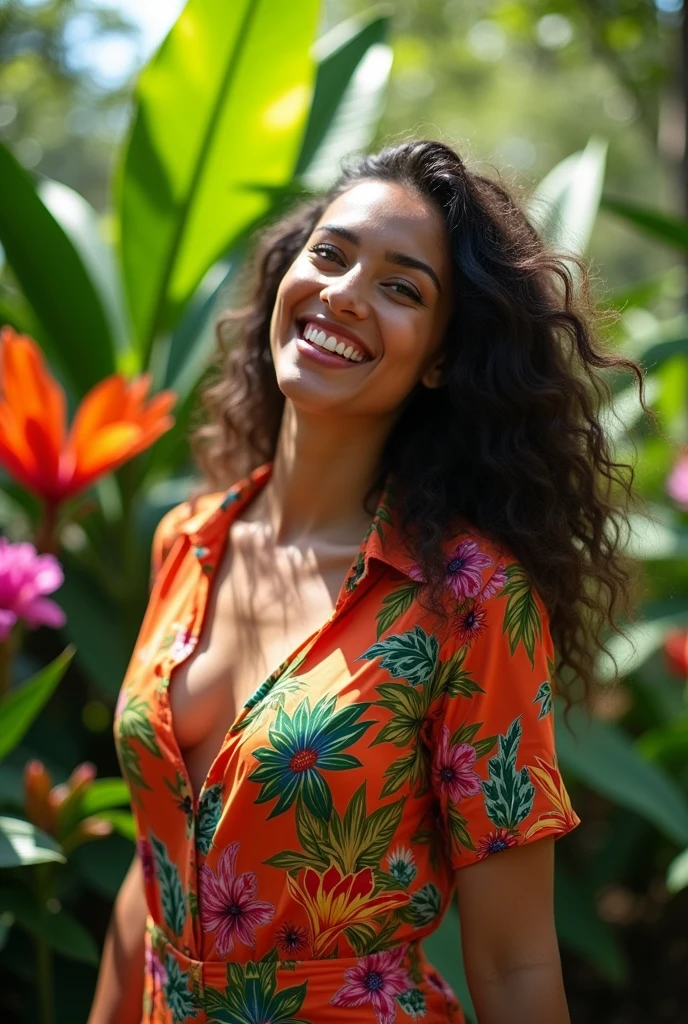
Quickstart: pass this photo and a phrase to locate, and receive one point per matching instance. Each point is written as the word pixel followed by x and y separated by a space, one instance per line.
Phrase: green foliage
pixel 20 707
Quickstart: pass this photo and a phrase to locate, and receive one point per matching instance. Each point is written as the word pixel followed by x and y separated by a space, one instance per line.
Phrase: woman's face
pixel 373 282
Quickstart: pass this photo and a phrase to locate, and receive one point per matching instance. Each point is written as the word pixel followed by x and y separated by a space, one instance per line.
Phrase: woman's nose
pixel 346 295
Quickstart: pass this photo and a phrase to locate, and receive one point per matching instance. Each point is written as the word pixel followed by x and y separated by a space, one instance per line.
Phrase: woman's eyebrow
pixel 400 258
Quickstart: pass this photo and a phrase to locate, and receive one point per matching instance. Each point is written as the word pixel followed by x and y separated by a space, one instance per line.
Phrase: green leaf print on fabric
pixel 425 905
pixel 360 840
pixel 458 829
pixel 408 707
pixel 544 698
pixel 466 734
pixel 509 793
pixel 413 767
pixel 251 996
pixel 522 618
pixel 303 746
pixel 394 605
pixel 453 679
pixel 208 816
pixel 354 841
pixel 135 726
pixel 411 656
pixel 412 1001
pixel 177 995
pixel 171 892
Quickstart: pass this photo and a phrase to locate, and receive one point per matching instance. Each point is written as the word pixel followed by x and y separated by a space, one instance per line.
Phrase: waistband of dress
pixel 213 973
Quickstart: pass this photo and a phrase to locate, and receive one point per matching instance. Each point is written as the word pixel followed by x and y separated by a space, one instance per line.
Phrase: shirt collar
pixel 383 539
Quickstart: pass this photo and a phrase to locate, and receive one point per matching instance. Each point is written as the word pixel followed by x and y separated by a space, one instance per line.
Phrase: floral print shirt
pixel 389 750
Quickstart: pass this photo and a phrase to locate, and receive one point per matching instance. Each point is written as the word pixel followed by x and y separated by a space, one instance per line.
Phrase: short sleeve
pixel 494 765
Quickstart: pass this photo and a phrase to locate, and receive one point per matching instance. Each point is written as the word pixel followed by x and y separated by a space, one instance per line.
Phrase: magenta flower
pixel 496 841
pixel 677 482
pixel 452 769
pixel 227 903
pixel 377 978
pixel 497 581
pixel 25 578
pixel 464 569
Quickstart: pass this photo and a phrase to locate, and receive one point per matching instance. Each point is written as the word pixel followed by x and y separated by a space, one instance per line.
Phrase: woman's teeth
pixel 331 344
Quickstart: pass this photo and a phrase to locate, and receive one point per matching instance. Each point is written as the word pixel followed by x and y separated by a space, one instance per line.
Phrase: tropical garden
pixel 119 250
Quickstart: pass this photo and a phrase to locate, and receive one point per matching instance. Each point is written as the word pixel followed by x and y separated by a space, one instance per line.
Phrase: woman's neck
pixel 321 472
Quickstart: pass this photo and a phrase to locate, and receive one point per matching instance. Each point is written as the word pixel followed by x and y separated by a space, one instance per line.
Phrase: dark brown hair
pixel 511 441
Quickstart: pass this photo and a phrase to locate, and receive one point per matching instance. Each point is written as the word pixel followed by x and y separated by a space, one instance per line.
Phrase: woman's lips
pixel 322 356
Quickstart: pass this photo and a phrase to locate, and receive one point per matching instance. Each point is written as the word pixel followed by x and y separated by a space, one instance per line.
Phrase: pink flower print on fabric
pixel 183 644
pixel 497 581
pixel 155 969
pixel 228 905
pixel 465 569
pixel 25 578
pixel 453 769
pixel 377 978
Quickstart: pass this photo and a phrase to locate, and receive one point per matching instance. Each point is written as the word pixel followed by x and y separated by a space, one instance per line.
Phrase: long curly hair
pixel 512 441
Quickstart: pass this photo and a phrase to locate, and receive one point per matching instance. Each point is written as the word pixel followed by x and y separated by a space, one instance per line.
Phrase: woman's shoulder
pixel 181 517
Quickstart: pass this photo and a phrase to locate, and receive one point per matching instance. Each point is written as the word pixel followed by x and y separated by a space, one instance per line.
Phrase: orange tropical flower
pixel 112 424
pixel 334 902
pixel 562 818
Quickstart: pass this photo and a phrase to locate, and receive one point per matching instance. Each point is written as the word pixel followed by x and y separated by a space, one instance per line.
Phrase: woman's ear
pixel 432 378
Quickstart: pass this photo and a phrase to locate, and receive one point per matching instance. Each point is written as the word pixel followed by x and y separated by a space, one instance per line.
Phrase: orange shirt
pixel 387 751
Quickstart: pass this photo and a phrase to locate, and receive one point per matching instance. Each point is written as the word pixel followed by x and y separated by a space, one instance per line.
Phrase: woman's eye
pixel 333 255
pixel 325 250
pixel 405 289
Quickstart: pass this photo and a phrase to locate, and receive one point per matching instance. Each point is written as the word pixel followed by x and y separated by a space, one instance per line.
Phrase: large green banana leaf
pixel 661 226
pixel 353 68
pixel 604 757
pixel 563 207
pixel 54 280
pixel 219 118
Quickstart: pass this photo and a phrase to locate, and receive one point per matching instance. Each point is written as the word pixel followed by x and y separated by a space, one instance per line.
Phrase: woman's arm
pixel 510 945
pixel 119 992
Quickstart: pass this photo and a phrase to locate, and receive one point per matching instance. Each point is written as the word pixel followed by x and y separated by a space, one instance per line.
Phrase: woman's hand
pixel 510 945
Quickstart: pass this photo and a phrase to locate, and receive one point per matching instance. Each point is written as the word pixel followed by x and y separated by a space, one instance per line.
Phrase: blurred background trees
pixel 580 105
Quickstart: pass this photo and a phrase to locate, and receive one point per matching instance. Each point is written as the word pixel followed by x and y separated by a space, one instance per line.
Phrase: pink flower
pixel 677 482
pixel 376 979
pixel 464 569
pixel 496 841
pixel 453 769
pixel 227 903
pixel 497 581
pixel 25 577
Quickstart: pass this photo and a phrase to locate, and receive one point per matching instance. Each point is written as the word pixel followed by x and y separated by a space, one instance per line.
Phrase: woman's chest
pixel 261 609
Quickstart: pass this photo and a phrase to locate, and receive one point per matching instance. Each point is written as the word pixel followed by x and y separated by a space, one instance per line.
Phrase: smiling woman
pixel 339 710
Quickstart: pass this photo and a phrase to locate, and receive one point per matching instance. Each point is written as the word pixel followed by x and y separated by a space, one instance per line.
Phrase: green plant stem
pixel 44 956
pixel 44 970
